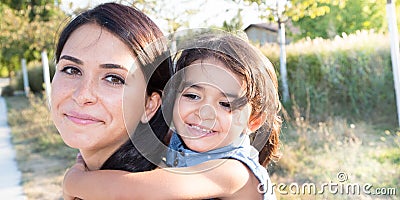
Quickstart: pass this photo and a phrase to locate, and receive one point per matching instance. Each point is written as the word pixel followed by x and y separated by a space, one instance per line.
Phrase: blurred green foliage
pixel 27 28
pixel 346 17
pixel 327 18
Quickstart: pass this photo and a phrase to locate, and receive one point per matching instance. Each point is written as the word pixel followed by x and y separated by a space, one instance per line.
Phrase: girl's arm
pixel 215 178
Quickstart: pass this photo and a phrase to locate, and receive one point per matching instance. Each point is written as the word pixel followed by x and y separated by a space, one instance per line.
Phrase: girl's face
pixel 202 111
pixel 87 90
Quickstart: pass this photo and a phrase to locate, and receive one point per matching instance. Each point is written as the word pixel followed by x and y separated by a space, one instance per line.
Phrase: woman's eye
pixel 115 80
pixel 191 96
pixel 71 70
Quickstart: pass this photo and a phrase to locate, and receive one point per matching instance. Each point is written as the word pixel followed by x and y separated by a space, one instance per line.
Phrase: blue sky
pixel 211 12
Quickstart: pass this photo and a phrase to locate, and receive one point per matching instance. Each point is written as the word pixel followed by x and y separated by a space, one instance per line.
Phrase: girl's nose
pixel 207 112
pixel 85 93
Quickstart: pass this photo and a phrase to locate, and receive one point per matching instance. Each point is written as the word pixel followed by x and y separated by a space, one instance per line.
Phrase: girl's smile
pixel 200 131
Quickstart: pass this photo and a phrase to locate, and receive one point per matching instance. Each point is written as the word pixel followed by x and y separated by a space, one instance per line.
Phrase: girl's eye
pixel 71 70
pixel 226 105
pixel 115 80
pixel 191 96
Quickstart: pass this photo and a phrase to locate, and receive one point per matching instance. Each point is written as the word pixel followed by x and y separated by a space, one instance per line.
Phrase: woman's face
pixel 88 89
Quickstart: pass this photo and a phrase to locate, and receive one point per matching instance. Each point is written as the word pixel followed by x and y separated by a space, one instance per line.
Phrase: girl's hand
pixel 72 175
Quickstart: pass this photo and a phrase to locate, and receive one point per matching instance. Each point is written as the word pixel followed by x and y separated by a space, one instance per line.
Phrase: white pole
pixel 25 77
pixel 46 74
pixel 394 51
pixel 282 60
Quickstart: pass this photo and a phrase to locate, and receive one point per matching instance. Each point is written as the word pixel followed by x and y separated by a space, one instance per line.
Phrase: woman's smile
pixel 82 119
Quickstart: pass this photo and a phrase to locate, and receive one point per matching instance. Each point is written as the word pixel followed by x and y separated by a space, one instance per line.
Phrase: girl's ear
pixel 152 104
pixel 256 122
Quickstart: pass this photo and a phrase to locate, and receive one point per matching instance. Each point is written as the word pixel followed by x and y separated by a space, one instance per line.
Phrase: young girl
pixel 226 93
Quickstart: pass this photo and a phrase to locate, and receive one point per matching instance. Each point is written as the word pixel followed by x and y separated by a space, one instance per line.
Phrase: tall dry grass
pixel 31 122
pixel 42 156
pixel 316 152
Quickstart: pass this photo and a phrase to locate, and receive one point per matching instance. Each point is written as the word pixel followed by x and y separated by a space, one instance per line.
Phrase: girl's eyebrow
pixel 73 59
pixel 187 84
pixel 80 62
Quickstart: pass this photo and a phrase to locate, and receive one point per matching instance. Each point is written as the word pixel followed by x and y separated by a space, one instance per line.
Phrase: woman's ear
pixel 256 122
pixel 152 104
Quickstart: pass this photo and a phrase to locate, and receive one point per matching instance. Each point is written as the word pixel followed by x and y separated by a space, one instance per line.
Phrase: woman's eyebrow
pixel 80 62
pixel 113 66
pixel 73 59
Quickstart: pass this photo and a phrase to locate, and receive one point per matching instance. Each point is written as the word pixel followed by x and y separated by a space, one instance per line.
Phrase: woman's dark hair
pixel 258 74
pixel 147 43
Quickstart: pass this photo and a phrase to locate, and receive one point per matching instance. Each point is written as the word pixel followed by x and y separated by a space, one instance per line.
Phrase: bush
pixel 35 77
pixel 7 91
pixel 349 76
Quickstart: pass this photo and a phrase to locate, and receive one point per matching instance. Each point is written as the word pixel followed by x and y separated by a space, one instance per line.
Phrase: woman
pixel 107 55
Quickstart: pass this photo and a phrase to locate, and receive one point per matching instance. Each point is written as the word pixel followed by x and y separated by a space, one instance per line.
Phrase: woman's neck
pixel 94 159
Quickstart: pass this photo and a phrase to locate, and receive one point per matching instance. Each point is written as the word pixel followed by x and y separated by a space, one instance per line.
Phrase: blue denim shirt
pixel 179 156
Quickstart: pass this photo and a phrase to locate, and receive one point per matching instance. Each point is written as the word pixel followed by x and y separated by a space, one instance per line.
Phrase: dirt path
pixel 10 176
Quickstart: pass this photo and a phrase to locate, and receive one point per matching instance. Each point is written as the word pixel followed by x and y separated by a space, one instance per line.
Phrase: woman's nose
pixel 207 112
pixel 85 93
